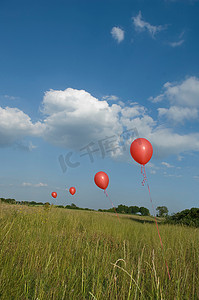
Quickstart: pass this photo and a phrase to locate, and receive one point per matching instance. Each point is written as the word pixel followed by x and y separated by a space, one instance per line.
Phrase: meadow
pixel 69 254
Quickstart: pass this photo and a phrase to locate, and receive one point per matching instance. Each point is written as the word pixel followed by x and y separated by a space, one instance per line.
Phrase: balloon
pixel 54 194
pixel 141 150
pixel 101 180
pixel 72 190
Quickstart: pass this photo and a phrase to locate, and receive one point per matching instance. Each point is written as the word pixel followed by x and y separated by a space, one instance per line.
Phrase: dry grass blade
pixel 116 266
pixel 93 296
pixel 7 232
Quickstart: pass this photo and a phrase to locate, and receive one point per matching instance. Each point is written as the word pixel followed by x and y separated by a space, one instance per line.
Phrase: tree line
pixel 123 209
pixel 132 210
pixel 188 217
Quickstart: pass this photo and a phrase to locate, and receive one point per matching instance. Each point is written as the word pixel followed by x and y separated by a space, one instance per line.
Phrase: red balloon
pixel 141 150
pixel 72 190
pixel 101 180
pixel 54 194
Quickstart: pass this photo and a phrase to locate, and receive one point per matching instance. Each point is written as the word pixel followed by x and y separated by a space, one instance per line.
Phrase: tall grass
pixel 70 254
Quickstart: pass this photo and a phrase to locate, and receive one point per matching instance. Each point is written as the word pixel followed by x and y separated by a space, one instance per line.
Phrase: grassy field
pixel 71 254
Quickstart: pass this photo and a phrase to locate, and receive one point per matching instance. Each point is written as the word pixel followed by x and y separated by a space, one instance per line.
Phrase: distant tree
pixel 133 209
pixel 25 203
pixel 194 212
pixel 73 205
pixel 60 206
pixel 189 217
pixel 123 209
pixel 68 206
pixel 32 203
pixel 144 211
pixel 111 210
pixel 162 211
pixel 10 201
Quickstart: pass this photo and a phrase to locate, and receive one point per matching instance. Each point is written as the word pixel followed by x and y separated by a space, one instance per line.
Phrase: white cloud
pixel 26 184
pixel 40 184
pixel 75 118
pixel 152 166
pixel 196 177
pixel 15 124
pixel 117 34
pixel 34 185
pixel 157 99
pixel 176 44
pixel 24 146
pixel 178 114
pixel 121 103
pixel 166 164
pixel 10 97
pixel 144 124
pixel 131 112
pixel 153 172
pixel 180 157
pixel 141 25
pixel 172 175
pixel 185 93
pixel 166 142
pixel 110 98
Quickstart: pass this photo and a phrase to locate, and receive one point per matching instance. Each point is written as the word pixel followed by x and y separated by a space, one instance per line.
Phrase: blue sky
pixel 74 73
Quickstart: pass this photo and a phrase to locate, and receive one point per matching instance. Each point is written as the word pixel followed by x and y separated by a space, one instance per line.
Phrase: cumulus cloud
pixel 132 112
pixel 178 114
pixel 166 142
pixel 141 25
pixel 74 118
pixel 185 93
pixel 183 98
pixel 117 34
pixel 15 124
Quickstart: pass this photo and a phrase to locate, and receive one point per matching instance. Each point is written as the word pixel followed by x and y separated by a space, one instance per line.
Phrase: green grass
pixel 71 254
